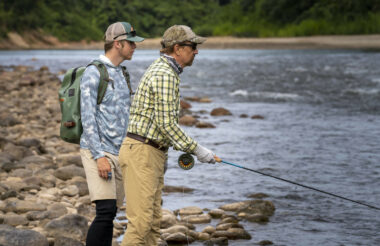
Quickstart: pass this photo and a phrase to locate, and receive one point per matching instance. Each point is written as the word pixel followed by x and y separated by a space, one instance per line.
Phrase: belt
pixel 146 141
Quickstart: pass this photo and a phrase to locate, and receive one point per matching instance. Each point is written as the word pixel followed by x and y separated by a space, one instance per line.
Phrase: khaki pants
pixel 99 188
pixel 143 173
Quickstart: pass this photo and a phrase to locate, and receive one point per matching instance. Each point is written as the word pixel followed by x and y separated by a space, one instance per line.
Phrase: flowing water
pixel 321 128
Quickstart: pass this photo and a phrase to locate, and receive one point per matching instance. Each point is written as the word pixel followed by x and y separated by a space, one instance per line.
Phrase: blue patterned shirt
pixel 104 125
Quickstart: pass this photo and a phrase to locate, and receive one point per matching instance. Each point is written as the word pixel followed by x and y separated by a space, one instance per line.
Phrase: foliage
pixel 72 20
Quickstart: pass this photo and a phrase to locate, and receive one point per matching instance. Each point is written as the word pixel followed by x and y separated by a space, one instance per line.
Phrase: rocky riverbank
pixel 43 192
pixel 35 40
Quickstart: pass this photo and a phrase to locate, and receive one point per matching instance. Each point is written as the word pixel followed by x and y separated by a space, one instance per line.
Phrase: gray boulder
pixel 68 172
pixel 10 236
pixel 66 241
pixel 72 226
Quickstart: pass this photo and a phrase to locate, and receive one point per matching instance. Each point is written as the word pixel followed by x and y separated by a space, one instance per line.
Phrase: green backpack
pixel 69 98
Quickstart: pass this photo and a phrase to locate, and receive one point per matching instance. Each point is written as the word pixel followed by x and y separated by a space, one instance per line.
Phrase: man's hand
pixel 204 155
pixel 103 167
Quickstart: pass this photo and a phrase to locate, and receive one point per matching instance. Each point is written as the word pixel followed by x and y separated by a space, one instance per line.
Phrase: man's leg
pixel 101 230
pixel 155 234
pixel 103 194
pixel 139 163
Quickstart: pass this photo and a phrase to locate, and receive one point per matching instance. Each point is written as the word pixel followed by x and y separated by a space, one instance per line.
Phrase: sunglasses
pixel 129 34
pixel 192 45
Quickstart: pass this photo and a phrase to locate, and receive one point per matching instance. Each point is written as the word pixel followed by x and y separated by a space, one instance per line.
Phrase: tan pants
pixel 99 188
pixel 143 173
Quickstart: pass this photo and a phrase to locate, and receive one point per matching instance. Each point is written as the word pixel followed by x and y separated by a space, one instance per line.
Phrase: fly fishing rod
pixel 186 161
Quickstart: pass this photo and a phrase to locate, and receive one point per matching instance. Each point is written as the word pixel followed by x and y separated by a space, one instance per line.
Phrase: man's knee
pixel 106 209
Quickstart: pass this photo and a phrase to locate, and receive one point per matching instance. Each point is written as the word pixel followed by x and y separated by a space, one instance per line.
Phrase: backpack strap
pixel 103 81
pixel 128 80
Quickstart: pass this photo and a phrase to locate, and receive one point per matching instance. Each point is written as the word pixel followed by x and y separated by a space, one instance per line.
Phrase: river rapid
pixel 321 128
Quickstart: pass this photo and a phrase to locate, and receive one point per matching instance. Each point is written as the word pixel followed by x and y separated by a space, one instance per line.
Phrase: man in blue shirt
pixel 104 128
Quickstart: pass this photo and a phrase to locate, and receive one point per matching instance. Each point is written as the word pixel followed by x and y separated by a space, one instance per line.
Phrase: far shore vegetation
pixel 72 20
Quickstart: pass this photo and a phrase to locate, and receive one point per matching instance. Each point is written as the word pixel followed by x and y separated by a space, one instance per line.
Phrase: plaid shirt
pixel 155 108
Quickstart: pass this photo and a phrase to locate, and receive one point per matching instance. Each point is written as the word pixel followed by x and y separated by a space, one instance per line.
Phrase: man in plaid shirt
pixel 153 128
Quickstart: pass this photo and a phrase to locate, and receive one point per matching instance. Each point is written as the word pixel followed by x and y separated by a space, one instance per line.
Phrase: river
pixel 321 128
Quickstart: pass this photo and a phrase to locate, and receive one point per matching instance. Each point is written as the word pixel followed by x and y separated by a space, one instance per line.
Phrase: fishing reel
pixel 186 161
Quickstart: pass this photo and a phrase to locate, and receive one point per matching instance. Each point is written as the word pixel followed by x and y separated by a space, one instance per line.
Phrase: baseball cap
pixel 180 33
pixel 121 31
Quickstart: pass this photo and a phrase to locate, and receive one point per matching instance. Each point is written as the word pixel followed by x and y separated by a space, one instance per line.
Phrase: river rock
pixel 168 219
pixel 265 242
pixel 257 117
pixel 202 236
pixel 228 219
pixel 226 226
pixel 181 189
pixel 209 229
pixel 48 180
pixel 13 219
pixel 68 172
pixel 187 120
pixel 239 233
pixel 257 218
pixel 220 112
pixel 21 173
pixel 257 195
pixel 37 215
pixel 216 213
pixel 188 225
pixel 15 183
pixel 68 159
pixel 203 124
pixel 174 229
pixel 235 206
pixel 72 226
pixel 26 206
pixel 33 182
pixel 197 219
pixel 243 116
pixel 259 207
pixel 7 119
pixel 66 241
pixel 192 210
pixel 178 238
pixel 232 233
pixel 71 190
pixel 184 104
pixel 205 100
pixel 15 237
pixel 17 152
pixel 56 210
pixel 81 184
pixel 33 144
pixel 220 241
pixel 7 194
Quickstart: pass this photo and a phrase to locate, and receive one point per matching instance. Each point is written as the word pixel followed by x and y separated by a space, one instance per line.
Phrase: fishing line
pixel 187 162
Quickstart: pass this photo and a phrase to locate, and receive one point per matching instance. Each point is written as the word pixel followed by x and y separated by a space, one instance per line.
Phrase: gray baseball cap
pixel 121 31
pixel 180 33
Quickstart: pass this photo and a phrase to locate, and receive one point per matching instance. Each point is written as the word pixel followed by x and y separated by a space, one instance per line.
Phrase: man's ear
pixel 177 49
pixel 117 44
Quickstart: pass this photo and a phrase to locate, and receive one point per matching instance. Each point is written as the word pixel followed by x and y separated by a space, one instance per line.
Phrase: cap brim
pixel 135 39
pixel 198 40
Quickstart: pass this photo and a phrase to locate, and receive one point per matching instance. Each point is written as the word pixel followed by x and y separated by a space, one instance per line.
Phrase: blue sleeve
pixel 88 104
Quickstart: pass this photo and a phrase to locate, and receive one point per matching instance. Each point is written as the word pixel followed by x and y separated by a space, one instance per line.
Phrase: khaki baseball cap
pixel 180 33
pixel 121 31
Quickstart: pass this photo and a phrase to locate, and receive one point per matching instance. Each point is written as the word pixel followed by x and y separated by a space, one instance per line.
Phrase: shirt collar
pixel 173 63
pixel 107 61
